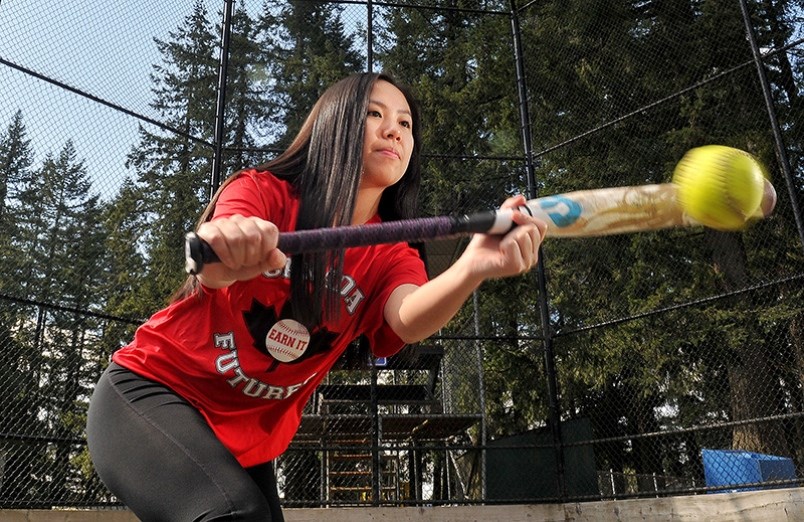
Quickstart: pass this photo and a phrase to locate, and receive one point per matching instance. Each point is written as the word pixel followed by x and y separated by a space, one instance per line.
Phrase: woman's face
pixel 388 142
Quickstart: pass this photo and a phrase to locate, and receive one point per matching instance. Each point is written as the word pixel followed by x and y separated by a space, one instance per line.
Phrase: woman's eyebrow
pixel 384 106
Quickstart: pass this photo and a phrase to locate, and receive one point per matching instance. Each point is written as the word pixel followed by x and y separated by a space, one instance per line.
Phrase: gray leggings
pixel 158 455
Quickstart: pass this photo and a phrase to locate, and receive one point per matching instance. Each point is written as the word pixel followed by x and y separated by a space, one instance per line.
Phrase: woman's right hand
pixel 246 247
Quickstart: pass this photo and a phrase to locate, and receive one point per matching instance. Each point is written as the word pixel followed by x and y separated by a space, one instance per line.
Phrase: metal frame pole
pixel 220 102
pixel 544 311
pixel 781 151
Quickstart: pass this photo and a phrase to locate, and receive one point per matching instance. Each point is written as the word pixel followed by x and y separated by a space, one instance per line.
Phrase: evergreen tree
pixel 173 166
pixel 18 385
pixel 16 160
pixel 452 53
pixel 59 233
pixel 248 103
pixel 307 49
pixel 125 270
pixel 609 61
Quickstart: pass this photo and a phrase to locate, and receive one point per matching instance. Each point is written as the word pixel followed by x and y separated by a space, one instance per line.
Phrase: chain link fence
pixel 651 364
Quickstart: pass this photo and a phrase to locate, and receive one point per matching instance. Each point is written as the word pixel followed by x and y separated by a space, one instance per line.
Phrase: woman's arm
pixel 416 313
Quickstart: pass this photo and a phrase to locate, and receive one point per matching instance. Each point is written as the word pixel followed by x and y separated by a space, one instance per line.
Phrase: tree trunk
pixel 754 387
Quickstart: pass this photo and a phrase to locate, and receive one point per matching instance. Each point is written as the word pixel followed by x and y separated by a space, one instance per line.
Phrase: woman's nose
pixel 392 132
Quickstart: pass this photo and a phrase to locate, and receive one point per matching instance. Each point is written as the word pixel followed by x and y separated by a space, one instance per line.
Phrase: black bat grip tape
pixel 198 252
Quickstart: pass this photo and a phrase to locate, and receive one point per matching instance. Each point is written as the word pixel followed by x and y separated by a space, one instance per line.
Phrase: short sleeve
pixel 260 194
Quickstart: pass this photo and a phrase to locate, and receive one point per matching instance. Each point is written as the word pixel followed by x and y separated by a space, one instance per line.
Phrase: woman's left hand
pixel 416 313
pixel 511 254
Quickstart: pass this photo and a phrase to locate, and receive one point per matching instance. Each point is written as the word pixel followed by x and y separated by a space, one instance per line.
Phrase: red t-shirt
pixel 237 355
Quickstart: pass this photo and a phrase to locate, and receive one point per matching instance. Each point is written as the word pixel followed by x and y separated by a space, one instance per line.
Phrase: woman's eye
pixel 406 124
pixel 375 114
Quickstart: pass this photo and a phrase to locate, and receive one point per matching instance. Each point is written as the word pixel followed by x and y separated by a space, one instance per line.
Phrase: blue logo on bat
pixel 566 211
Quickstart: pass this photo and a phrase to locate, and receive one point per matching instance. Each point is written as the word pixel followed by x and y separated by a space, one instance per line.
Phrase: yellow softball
pixel 720 187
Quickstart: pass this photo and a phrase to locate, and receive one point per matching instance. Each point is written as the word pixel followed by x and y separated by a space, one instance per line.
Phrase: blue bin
pixel 736 467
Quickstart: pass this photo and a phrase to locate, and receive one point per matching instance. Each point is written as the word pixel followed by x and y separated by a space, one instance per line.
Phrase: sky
pixel 103 48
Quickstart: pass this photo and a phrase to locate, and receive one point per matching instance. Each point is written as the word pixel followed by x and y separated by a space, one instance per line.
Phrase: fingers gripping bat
pixel 583 213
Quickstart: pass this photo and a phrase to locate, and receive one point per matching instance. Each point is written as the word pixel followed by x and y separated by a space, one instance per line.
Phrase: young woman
pixel 188 418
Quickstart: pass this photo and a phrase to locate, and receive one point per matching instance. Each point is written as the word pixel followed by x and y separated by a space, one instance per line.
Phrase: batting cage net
pixel 657 363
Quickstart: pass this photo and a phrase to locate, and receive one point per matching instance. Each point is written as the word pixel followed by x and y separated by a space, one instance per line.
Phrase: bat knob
pixel 197 253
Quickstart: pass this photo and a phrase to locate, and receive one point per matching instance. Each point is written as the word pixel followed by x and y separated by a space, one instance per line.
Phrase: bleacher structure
pixel 374 418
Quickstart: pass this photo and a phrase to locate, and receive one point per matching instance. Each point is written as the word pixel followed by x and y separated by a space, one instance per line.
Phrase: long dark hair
pixel 324 164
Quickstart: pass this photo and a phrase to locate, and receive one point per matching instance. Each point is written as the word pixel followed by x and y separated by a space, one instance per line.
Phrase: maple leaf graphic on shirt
pixel 259 320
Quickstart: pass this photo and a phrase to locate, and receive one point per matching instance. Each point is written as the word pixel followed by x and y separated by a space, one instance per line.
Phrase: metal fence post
pixel 778 139
pixel 544 312
pixel 220 102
